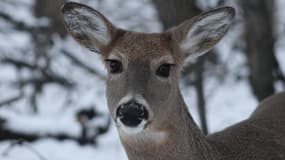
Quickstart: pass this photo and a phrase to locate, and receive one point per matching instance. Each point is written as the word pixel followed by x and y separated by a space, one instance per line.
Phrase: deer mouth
pixel 132 115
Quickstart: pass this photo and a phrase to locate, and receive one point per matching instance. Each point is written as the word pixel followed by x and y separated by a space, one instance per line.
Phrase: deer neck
pixel 182 141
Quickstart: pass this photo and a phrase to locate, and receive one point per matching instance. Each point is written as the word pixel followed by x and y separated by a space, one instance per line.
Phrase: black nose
pixel 132 114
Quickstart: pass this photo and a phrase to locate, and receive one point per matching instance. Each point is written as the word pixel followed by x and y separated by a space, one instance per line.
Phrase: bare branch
pixel 11 100
pixel 22 143
pixel 83 65
pixel 48 76
pixel 18 64
pixel 45 80
pixel 18 24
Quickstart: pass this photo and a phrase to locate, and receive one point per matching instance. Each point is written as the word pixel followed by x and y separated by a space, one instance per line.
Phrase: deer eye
pixel 164 70
pixel 114 66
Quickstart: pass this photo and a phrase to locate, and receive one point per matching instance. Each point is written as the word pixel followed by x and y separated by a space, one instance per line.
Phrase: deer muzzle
pixel 131 114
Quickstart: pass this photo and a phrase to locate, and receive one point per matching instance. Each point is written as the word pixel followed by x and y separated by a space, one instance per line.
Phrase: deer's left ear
pixel 200 34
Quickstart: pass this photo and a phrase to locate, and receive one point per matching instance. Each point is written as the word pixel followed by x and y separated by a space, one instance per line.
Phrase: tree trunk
pixel 51 9
pixel 173 12
pixel 199 86
pixel 260 45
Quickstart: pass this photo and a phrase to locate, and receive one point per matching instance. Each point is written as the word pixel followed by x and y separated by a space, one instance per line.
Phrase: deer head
pixel 143 69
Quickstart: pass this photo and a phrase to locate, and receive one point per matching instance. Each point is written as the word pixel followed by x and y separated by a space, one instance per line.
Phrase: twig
pixel 11 100
pixel 18 63
pixel 48 76
pixel 22 143
pixel 20 25
pixel 45 80
pixel 76 61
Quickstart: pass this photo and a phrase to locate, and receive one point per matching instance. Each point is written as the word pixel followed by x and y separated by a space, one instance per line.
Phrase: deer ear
pixel 200 34
pixel 86 25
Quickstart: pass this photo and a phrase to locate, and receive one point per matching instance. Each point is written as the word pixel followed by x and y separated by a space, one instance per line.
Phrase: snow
pixel 55 150
pixel 42 124
pixel 280 55
pixel 18 39
pixel 22 12
pixel 229 99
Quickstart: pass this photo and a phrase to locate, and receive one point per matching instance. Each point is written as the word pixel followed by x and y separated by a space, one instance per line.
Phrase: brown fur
pixel 262 136
pixel 143 46
pixel 171 133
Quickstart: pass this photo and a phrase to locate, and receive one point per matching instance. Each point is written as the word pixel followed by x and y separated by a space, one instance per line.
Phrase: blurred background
pixel 52 91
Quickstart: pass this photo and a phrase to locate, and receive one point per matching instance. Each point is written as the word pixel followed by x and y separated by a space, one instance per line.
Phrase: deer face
pixel 142 79
pixel 143 69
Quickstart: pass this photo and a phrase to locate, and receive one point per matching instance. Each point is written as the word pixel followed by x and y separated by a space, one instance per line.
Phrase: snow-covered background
pixel 229 99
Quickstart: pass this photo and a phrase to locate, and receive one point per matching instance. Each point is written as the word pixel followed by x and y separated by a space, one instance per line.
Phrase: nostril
pixel 132 114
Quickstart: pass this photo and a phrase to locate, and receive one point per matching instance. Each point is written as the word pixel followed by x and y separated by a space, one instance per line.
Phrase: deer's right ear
pixel 87 26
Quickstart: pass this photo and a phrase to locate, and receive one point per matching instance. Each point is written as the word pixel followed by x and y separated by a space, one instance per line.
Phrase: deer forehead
pixel 143 47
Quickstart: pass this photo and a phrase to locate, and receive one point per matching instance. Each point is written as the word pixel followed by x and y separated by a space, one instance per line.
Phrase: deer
pixel 144 98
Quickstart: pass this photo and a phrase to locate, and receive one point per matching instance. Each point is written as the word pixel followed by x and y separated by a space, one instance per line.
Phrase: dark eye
pixel 164 70
pixel 115 66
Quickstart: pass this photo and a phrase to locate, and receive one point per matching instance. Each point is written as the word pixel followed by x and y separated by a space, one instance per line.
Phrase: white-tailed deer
pixel 144 98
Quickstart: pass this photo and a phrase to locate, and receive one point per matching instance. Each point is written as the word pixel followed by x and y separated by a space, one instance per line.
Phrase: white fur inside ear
pixel 82 21
pixel 212 26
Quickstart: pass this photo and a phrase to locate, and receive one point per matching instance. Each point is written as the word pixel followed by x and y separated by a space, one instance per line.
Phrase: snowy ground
pixel 236 104
pixel 228 100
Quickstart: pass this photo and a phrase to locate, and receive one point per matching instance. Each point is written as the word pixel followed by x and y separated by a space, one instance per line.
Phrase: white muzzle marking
pixel 133 130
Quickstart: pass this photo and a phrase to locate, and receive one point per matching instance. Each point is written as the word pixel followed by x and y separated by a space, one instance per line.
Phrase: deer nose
pixel 132 113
